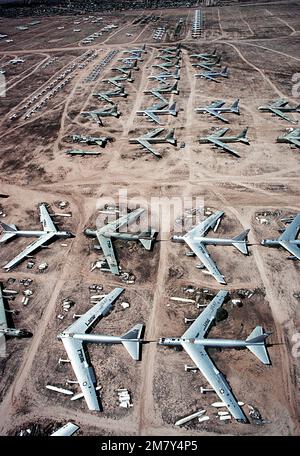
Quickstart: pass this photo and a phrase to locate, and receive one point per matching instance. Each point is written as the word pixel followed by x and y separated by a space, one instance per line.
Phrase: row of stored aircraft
pixel 193 341
pixel 76 337
pixel 196 239
pixel 128 64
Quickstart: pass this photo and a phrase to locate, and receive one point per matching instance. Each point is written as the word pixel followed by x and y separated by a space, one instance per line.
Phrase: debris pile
pixel 124 398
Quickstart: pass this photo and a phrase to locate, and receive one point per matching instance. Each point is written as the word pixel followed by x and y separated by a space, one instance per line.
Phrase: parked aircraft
pixel 107 111
pixel 111 231
pixel 292 137
pixel 213 74
pixel 166 75
pixel 196 239
pixel 193 341
pixel 136 51
pixel 91 140
pixel 66 430
pixel 49 234
pixel 206 56
pixel 117 79
pixel 219 140
pixel 288 239
pixel 217 107
pixel 81 152
pixel 75 336
pixel 157 110
pixel 152 137
pixel 5 331
pixel 106 96
pixel 165 66
pixel 279 108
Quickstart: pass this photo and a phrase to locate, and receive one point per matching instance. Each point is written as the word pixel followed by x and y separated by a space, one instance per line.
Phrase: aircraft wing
pixel 281 114
pixel 46 220
pixel 224 146
pixel 203 227
pixel 216 104
pixel 3 325
pixel 66 430
pixel 292 248
pixel 124 220
pixel 205 259
pixel 279 103
pixel 153 133
pixel 217 114
pixel 148 146
pixel 83 371
pixel 153 117
pixel 215 378
pixel 294 141
pixel 207 76
pixel 98 310
pixel 108 250
pixel 201 325
pixel 29 249
pixel 292 230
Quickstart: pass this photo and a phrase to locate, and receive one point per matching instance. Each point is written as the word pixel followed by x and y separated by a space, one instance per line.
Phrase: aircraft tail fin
pixel 175 88
pixel 242 137
pixel 147 238
pixel 256 344
pixel 131 340
pixel 240 242
pixel 170 137
pixel 235 107
pixel 298 108
pixel 172 109
pixel 9 232
pixel 224 72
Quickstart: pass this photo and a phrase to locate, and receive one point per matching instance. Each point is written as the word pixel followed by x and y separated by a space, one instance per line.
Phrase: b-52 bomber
pixel 216 108
pixel 219 140
pixel 49 234
pixel 126 67
pixel 117 79
pixel 75 337
pixel 197 240
pixel 111 231
pixel 205 56
pixel 207 64
pixel 91 140
pixel 107 111
pixel 136 51
pixel 292 137
pixel 162 76
pixel 279 108
pixel 157 110
pixel 212 75
pixel 165 66
pixel 162 89
pixel 288 239
pixel 5 330
pixel 193 341
pixel 106 96
pixel 152 137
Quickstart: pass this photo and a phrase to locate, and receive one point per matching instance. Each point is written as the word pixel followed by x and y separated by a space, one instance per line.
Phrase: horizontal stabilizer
pixel 256 342
pixel 131 341
pixel 241 242
pixel 9 231
pixel 147 241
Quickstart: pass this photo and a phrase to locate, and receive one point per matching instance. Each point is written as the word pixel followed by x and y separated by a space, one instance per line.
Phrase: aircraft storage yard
pixel 142 110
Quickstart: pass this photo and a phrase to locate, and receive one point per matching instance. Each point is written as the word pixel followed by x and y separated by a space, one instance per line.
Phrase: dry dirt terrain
pixel 260 47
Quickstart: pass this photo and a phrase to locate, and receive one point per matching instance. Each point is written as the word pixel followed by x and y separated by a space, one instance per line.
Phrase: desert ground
pixel 260 47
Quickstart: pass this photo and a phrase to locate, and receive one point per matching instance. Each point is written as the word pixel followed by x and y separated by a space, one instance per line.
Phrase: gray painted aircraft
pixel 126 67
pixel 279 108
pixel 292 137
pixel 163 89
pixel 197 240
pixel 152 137
pixel 130 59
pixel 49 234
pixel 217 107
pixel 205 56
pixel 107 111
pixel 168 57
pixel 111 231
pixel 167 75
pixel 194 342
pixel 165 66
pixel 106 96
pixel 288 239
pixel 136 51
pixel 91 140
pixel 5 330
pixel 75 337
pixel 66 430
pixel 157 110
pixel 207 64
pixel 212 75
pixel 81 152
pixel 219 140
pixel 117 79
